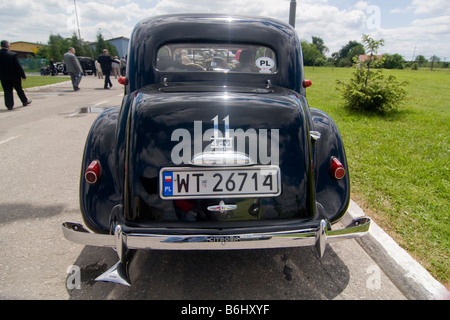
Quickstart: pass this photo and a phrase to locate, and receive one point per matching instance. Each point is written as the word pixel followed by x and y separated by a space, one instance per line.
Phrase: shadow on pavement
pixel 276 274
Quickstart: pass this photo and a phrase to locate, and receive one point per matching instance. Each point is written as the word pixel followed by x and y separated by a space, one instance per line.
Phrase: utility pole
pixel 76 15
pixel 292 9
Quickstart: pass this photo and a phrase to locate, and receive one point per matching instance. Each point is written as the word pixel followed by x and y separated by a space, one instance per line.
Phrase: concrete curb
pixel 48 86
pixel 407 274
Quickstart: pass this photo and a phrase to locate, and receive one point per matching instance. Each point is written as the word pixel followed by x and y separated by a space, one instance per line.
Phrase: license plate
pixel 191 182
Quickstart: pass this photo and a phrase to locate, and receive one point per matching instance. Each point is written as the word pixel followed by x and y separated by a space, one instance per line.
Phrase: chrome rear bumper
pixel 75 232
pixel 122 242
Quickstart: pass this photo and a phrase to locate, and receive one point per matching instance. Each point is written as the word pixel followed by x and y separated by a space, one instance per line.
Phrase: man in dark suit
pixel 11 75
pixel 105 61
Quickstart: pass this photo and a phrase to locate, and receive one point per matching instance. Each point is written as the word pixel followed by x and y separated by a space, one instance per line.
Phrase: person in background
pixel 99 70
pixel 116 67
pixel 93 67
pixel 52 67
pixel 73 67
pixel 11 75
pixel 106 62
pixel 123 66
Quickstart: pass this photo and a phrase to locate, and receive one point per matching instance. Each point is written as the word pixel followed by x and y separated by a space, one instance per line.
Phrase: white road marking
pixel 99 103
pixel 9 139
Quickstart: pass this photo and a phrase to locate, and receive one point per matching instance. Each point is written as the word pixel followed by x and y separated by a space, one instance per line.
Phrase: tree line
pixel 314 55
pixel 58 46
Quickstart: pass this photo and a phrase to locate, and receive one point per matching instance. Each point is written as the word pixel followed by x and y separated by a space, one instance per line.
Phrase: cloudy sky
pixel 409 27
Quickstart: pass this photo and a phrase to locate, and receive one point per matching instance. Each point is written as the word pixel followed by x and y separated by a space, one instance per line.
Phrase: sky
pixel 408 27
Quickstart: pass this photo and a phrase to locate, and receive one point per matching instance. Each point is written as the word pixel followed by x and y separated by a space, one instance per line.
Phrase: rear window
pixel 216 58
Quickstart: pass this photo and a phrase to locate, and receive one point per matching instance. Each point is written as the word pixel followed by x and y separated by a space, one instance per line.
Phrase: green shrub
pixel 369 90
pixel 378 94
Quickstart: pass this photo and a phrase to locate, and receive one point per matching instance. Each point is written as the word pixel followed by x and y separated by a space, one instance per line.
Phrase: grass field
pixel 399 162
pixel 34 81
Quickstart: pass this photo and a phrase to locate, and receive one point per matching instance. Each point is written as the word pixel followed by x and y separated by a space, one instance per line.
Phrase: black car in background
pixel 85 62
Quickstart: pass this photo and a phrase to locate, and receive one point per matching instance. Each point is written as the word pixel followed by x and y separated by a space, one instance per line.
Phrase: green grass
pixel 399 162
pixel 36 81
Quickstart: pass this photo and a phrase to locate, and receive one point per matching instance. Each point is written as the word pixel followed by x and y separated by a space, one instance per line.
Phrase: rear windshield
pixel 216 58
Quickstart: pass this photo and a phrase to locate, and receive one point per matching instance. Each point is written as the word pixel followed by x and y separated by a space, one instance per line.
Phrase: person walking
pixel 93 67
pixel 73 67
pixel 116 67
pixel 123 66
pixel 106 61
pixel 11 75
pixel 99 70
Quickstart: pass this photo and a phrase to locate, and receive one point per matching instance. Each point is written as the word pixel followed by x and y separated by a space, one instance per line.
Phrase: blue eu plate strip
pixel 168 183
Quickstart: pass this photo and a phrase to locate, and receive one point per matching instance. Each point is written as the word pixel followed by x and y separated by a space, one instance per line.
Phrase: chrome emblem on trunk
pixel 222 207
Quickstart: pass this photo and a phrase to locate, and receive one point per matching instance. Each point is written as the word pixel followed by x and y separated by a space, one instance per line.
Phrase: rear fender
pixel 97 200
pixel 332 195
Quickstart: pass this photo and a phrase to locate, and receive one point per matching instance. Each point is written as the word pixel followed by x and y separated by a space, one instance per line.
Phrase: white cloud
pixel 437 7
pixel 336 23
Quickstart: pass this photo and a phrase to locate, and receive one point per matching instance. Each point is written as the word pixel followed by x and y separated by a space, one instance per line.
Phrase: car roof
pixel 152 33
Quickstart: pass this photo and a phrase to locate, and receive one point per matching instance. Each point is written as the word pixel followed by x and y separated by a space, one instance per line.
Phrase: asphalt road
pixel 41 146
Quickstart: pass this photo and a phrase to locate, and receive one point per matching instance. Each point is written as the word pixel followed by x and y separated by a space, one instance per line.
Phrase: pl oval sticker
pixel 265 64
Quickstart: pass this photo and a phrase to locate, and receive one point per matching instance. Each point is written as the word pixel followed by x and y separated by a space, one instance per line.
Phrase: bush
pixel 369 90
pixel 379 94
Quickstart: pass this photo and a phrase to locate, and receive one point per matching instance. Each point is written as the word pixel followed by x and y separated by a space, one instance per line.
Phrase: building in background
pixel 26 50
pixel 120 43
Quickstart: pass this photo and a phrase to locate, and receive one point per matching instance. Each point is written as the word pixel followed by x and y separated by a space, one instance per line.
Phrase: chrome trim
pixel 75 232
pixel 315 135
pixel 222 207
pixel 117 274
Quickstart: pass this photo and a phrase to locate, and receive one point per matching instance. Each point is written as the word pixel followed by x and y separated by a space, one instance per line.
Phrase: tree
pixel 55 49
pixel 103 44
pixel 393 61
pixel 433 60
pixel 421 60
pixel 314 53
pixel 318 42
pixel 372 46
pixel 368 89
pixel 311 55
pixel 345 56
pixel 58 46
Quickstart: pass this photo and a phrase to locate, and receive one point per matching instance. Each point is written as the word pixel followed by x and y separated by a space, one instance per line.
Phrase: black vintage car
pixel 214 146
pixel 85 62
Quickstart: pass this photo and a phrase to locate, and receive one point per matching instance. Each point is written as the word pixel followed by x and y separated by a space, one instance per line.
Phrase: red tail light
pixel 307 83
pixel 337 168
pixel 92 173
pixel 123 80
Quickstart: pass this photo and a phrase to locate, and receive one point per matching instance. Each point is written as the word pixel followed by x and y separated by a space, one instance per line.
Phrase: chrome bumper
pixel 75 232
pixel 123 242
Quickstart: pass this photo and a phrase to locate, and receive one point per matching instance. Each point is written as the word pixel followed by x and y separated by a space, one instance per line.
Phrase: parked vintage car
pixel 214 146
